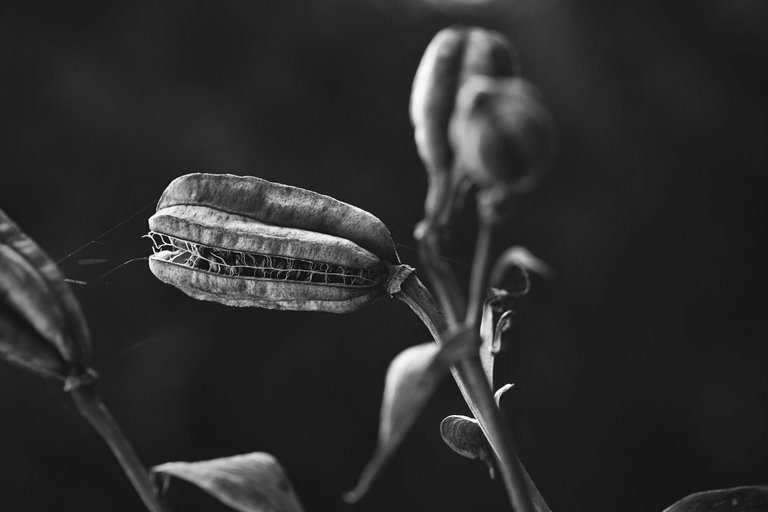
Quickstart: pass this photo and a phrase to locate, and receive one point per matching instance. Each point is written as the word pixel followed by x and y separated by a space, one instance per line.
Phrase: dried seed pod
pixel 502 132
pixel 42 327
pixel 244 241
pixel 464 436
pixel 454 54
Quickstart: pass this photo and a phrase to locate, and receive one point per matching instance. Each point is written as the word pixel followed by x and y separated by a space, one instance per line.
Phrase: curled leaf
pixel 412 378
pixel 735 499
pixel 509 281
pixel 500 393
pixel 464 436
pixel 253 482
pixel 494 331
pixel 506 271
pixel 42 327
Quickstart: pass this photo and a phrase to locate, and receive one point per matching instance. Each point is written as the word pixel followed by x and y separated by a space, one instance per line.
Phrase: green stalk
pixel 473 385
pixel 88 402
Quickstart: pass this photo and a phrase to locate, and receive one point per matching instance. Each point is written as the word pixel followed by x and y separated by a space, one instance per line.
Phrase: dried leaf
pixel 42 327
pixel 735 499
pixel 412 378
pixel 509 281
pixel 464 436
pixel 254 482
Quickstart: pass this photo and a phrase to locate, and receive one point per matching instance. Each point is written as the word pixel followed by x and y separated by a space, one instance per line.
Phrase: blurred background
pixel 640 369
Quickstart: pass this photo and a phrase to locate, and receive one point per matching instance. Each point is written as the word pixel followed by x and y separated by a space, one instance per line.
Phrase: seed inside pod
pixel 214 244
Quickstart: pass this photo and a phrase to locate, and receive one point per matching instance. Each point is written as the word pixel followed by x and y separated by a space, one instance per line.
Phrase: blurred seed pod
pixel 502 132
pixel 42 327
pixel 454 55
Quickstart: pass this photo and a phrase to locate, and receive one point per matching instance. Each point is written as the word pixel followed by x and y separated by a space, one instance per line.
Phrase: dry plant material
pixel 244 241
pixel 455 54
pixel 464 436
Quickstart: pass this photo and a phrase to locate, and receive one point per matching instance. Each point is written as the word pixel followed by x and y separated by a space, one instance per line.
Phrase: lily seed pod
pixel 245 241
pixel 502 132
pixel 454 54
pixel 42 327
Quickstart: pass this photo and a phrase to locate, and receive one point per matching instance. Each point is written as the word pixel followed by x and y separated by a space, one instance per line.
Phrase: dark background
pixel 640 369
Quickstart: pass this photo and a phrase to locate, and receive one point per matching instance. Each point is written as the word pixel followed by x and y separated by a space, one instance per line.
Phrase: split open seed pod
pixel 245 241
pixel 42 327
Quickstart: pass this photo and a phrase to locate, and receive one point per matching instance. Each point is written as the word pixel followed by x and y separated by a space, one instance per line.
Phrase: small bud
pixel 42 327
pixel 454 54
pixel 502 133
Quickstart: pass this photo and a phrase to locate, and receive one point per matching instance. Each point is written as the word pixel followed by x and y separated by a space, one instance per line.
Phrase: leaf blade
pixel 734 499
pixel 412 378
pixel 253 482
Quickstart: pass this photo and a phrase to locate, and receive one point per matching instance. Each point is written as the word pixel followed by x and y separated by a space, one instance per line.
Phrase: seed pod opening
pixel 244 241
pixel 42 327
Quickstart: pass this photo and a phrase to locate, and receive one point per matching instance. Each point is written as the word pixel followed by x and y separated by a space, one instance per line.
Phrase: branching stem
pixel 477 393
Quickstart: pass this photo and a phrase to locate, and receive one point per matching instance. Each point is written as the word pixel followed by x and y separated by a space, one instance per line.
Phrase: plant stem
pixel 447 289
pixel 473 385
pixel 88 402
pixel 478 283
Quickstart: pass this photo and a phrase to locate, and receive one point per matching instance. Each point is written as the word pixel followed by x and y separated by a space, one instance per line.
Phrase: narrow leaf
pixel 412 378
pixel 735 499
pixel 254 482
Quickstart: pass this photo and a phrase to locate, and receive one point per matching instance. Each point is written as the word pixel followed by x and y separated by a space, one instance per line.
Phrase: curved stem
pixel 480 270
pixel 473 385
pixel 88 402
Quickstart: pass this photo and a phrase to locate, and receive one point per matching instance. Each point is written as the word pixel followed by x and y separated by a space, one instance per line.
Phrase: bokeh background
pixel 640 369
